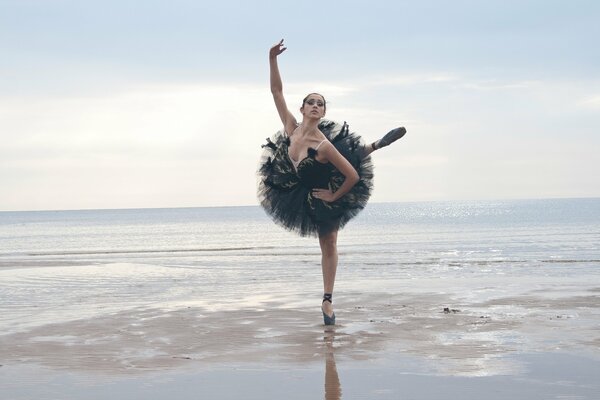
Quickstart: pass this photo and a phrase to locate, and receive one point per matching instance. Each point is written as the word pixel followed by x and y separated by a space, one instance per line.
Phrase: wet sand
pixel 385 346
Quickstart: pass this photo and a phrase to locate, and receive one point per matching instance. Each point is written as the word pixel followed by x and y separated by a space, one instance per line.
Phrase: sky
pixel 131 104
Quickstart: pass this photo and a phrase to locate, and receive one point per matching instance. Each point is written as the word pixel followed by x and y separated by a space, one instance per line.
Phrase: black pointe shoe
pixel 389 138
pixel 327 320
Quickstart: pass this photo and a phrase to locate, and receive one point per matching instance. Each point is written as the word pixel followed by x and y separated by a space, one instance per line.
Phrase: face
pixel 313 106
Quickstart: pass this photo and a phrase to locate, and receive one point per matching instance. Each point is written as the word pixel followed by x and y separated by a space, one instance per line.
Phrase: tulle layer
pixel 288 199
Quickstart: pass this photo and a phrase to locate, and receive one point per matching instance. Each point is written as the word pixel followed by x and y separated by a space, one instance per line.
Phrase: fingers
pixel 323 196
pixel 278 45
pixel 277 48
pixel 320 193
pixel 282 48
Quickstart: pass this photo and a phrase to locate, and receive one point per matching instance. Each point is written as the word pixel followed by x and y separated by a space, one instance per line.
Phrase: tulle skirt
pixel 288 200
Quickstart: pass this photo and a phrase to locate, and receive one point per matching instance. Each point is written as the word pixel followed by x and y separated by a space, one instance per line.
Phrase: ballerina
pixel 315 175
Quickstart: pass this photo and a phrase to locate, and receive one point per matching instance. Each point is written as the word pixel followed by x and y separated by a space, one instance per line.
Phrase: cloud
pixel 495 84
pixel 135 121
pixel 415 79
pixel 140 144
pixel 415 161
pixel 197 144
pixel 591 102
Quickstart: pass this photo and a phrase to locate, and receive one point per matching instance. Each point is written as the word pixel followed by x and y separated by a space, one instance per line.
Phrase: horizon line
pixel 258 205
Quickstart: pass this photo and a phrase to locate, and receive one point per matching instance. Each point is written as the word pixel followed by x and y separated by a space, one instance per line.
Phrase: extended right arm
pixel 289 122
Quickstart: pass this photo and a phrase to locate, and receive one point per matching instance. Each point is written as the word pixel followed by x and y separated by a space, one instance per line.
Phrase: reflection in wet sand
pixel 333 388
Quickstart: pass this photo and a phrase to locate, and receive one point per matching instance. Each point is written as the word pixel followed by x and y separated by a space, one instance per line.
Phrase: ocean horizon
pixel 516 199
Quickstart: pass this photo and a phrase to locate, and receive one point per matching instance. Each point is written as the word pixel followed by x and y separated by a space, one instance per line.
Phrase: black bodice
pixel 314 174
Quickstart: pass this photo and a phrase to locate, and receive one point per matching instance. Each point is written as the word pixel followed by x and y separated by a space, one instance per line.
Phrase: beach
pixel 385 346
pixel 443 312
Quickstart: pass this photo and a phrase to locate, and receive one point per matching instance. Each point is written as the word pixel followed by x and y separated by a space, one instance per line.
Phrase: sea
pixel 56 266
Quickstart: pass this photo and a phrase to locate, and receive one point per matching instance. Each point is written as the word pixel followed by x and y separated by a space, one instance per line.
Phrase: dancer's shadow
pixel 333 388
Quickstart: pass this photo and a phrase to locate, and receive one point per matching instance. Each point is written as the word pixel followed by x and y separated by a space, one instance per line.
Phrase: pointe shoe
pixel 390 138
pixel 327 320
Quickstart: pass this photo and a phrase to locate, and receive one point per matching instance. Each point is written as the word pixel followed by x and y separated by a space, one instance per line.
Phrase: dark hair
pixel 318 94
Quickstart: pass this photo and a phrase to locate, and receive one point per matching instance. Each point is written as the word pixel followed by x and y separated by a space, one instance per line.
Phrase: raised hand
pixel 277 49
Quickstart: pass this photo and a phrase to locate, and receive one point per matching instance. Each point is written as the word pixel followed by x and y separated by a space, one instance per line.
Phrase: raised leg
pixel 388 139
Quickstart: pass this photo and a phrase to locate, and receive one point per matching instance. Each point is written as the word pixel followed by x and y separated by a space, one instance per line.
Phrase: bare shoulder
pixel 326 145
pixel 327 151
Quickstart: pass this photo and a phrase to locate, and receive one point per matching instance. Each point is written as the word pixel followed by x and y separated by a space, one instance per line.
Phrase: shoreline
pixel 467 338
pixel 431 325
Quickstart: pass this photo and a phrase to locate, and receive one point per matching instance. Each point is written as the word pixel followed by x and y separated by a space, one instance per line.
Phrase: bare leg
pixel 367 149
pixel 329 262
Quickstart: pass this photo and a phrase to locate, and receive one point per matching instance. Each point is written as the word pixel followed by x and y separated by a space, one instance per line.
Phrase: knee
pixel 328 244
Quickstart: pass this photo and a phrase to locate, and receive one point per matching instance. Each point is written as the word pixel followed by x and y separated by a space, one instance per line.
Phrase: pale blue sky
pixel 118 104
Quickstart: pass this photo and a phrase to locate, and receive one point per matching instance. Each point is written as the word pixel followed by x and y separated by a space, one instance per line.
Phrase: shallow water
pixel 544 376
pixel 61 265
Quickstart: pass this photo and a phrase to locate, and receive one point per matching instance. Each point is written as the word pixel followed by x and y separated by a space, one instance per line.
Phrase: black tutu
pixel 286 192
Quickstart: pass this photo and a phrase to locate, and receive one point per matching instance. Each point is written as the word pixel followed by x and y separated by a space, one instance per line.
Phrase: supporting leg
pixel 329 261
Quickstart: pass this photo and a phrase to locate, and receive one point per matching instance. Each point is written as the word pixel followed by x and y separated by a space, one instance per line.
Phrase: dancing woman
pixel 315 175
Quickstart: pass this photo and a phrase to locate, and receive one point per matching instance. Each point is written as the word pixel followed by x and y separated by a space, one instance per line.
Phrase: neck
pixel 309 125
